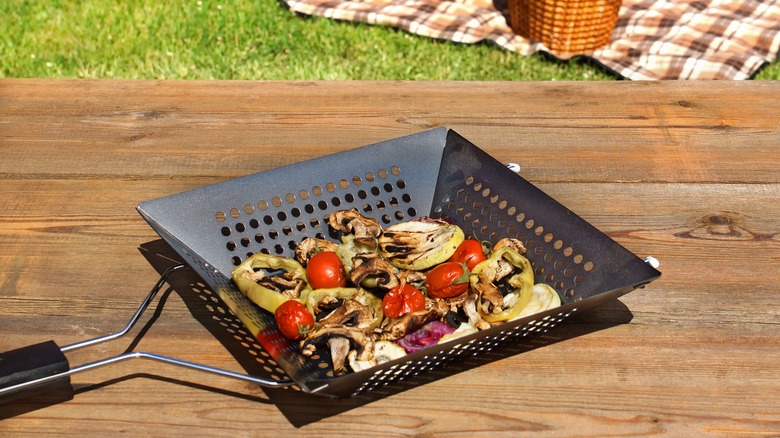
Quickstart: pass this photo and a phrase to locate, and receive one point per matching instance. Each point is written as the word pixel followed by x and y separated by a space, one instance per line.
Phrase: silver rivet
pixel 514 167
pixel 652 261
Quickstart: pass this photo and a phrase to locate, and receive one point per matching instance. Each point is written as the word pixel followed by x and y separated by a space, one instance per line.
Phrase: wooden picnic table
pixel 686 172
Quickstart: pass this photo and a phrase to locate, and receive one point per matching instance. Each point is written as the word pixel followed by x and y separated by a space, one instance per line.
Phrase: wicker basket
pixel 566 27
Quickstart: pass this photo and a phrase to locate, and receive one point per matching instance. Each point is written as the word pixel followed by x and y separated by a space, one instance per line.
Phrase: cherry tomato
pixel 293 319
pixel 325 270
pixel 447 280
pixel 401 300
pixel 470 253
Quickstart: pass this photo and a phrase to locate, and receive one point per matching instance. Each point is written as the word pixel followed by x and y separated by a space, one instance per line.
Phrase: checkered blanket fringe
pixel 652 40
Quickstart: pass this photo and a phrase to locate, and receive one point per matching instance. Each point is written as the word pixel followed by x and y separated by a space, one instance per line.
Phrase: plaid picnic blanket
pixel 653 39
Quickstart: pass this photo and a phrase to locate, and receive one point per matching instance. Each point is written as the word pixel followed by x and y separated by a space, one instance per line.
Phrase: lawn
pixel 245 40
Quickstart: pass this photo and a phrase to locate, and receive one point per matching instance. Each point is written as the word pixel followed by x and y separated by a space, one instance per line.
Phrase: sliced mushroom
pixel 365 229
pixel 357 340
pixel 515 244
pixel 393 329
pixel 311 246
pixel 371 267
pixel 351 313
pixel 492 273
pixel 285 283
pixel 475 319
pixel 339 350
pixel 411 277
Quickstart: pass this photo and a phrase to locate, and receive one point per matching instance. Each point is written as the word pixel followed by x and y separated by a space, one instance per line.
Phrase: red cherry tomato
pixel 293 319
pixel 447 280
pixel 401 300
pixel 325 270
pixel 470 253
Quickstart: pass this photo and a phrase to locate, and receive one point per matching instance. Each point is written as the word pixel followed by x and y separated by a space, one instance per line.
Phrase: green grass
pixel 241 39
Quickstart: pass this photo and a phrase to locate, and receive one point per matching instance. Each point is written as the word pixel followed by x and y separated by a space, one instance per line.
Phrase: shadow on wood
pixel 302 408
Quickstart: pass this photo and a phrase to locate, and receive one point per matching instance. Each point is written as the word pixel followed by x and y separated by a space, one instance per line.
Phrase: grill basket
pixel 567 27
pixel 436 173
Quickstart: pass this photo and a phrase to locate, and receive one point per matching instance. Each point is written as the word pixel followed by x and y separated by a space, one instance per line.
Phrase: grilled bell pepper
pixel 368 322
pixel 246 276
pixel 486 273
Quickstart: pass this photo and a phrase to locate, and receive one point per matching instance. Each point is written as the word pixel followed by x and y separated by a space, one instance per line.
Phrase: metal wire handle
pixel 269 383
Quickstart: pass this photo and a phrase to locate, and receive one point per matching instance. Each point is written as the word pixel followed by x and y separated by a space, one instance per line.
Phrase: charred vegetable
pixel 505 262
pixel 256 280
pixel 420 244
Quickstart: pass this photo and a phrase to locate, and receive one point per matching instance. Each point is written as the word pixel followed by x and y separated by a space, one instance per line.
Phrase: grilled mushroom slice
pixel 475 319
pixel 350 313
pixel 507 266
pixel 328 334
pixel 393 329
pixel 371 270
pixel 365 229
pixel 311 246
pixel 515 244
pixel 491 274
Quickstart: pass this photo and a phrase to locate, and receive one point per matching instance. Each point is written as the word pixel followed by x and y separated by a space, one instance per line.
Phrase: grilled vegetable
pixel 364 229
pixel 428 334
pixel 447 280
pixel 401 300
pixel 293 320
pixel 543 298
pixel 492 305
pixel 420 244
pixel 325 270
pixel 384 351
pixel 470 252
pixel 345 306
pixel 270 291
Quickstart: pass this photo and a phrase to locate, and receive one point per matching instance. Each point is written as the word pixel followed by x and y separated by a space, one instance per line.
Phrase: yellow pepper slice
pixel 244 276
pixel 316 296
pixel 522 282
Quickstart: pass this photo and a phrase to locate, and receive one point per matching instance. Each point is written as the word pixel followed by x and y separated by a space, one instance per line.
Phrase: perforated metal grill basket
pixel 436 173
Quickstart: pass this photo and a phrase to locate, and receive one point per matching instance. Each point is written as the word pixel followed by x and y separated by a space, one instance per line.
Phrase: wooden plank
pixel 683 171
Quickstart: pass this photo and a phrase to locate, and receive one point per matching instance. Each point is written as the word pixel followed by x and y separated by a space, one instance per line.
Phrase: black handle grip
pixel 30 363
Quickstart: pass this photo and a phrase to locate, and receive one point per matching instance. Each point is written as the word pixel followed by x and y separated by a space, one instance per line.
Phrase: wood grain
pixel 684 171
